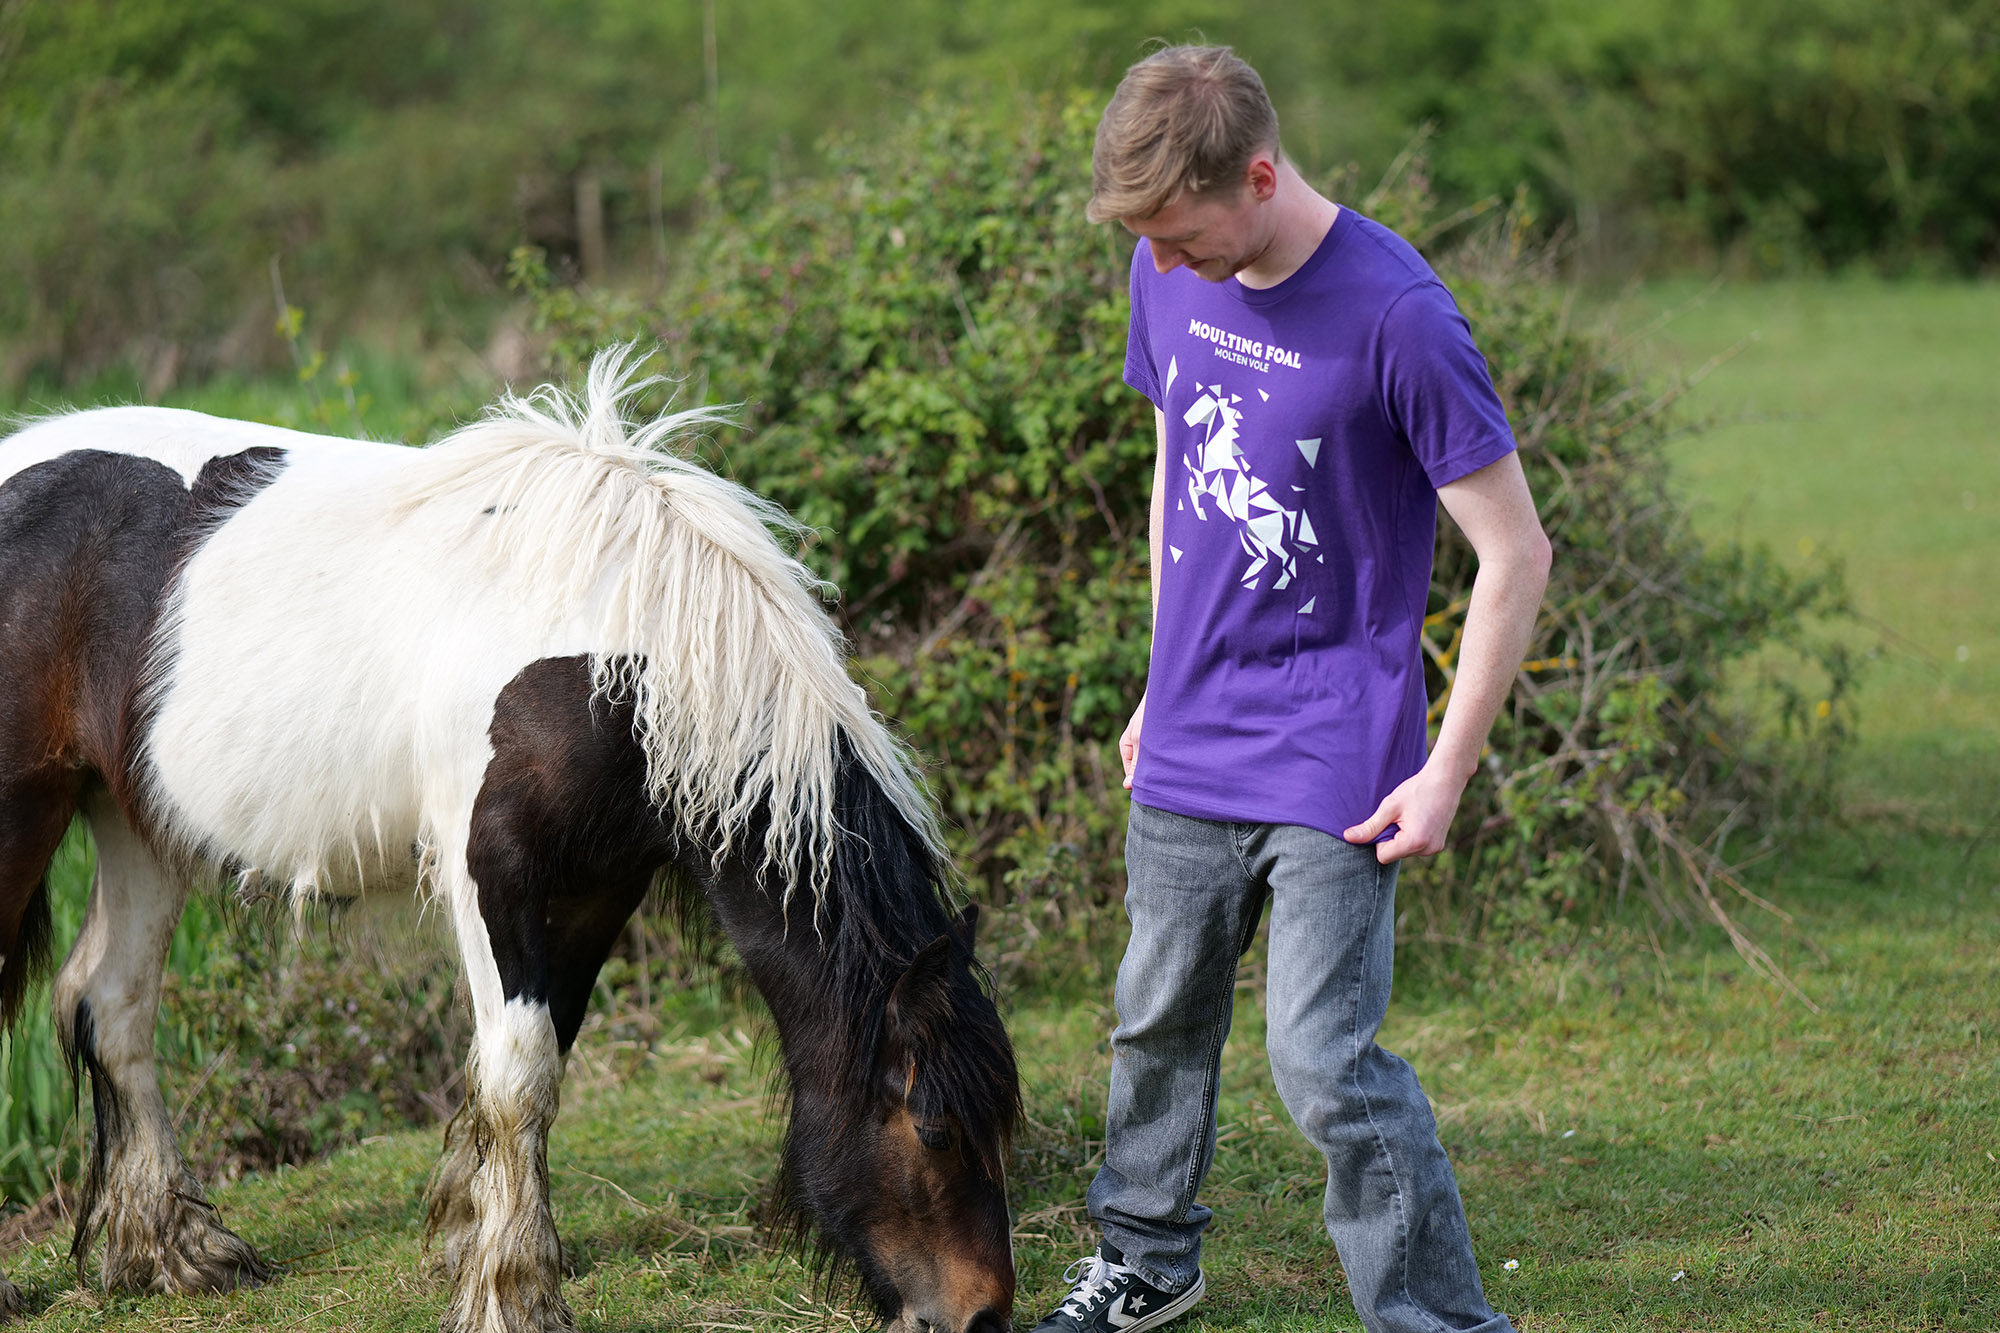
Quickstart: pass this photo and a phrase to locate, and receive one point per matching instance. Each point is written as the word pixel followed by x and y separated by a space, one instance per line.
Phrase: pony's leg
pixel 489 1204
pixel 33 815
pixel 579 934
pixel 159 1230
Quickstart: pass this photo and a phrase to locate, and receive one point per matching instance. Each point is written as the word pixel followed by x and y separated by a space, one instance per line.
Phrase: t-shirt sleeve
pixel 1437 387
pixel 1139 372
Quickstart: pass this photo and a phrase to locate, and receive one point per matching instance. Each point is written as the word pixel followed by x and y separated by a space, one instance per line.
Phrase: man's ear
pixel 1262 176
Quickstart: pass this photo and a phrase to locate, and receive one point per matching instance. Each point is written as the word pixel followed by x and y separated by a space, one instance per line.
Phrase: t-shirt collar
pixel 1264 296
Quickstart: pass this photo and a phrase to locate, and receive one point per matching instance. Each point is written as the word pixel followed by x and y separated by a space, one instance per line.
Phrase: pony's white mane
pixel 718 636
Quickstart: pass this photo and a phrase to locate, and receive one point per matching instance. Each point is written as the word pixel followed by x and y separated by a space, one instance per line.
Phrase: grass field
pixel 1860 421
pixel 1657 1138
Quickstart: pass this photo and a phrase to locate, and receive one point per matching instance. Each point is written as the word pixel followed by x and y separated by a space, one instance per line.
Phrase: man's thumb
pixel 1372 827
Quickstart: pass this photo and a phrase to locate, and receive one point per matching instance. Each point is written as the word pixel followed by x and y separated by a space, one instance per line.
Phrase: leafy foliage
pixel 929 345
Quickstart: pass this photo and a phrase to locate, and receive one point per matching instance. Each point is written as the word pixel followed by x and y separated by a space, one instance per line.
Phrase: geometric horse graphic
pixel 1274 534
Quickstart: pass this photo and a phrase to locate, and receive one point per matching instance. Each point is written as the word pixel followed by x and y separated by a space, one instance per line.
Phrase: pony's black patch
pixel 564 844
pixel 225 484
pixel 85 541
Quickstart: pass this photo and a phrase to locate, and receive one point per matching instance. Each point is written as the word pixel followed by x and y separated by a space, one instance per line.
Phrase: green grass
pixel 1860 420
pixel 1617 1116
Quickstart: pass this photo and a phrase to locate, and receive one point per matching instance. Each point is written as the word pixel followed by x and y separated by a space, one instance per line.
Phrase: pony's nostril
pixel 987 1321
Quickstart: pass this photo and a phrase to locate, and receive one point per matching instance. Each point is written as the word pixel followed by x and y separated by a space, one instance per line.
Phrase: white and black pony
pixel 529 671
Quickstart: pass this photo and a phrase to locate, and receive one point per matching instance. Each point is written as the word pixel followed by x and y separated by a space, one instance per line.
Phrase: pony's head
pixel 904 1105
pixel 902 1170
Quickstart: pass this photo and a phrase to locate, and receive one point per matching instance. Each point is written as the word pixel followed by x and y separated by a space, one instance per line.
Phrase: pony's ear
pixel 921 998
pixel 966 927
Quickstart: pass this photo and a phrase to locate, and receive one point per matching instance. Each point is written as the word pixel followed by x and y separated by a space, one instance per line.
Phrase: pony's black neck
pixel 824 955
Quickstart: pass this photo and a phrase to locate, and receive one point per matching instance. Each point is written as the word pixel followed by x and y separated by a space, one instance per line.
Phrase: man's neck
pixel 1301 219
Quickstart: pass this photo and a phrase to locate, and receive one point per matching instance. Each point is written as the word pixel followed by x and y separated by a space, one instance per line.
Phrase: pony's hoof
pixel 172 1244
pixel 518 1312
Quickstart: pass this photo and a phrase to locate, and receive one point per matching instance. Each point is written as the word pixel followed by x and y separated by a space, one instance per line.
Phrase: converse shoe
pixel 1111 1298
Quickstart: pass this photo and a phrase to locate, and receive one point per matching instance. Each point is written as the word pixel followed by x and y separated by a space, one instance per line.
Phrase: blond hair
pixel 1184 119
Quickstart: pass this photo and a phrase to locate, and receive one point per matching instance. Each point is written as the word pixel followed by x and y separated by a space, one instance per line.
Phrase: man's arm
pixel 1494 510
pixel 1128 744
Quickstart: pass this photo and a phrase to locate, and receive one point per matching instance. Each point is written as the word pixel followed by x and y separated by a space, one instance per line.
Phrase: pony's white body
pixel 385 675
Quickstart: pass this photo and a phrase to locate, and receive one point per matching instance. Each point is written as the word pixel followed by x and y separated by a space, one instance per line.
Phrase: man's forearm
pixel 1499 625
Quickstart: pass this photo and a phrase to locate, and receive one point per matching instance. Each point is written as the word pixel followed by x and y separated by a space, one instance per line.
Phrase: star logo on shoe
pixel 1116 1316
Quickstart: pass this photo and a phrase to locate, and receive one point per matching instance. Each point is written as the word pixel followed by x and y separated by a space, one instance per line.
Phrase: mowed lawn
pixel 1654 1137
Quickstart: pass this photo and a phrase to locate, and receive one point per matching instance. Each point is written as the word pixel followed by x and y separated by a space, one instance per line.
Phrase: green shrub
pixel 929 344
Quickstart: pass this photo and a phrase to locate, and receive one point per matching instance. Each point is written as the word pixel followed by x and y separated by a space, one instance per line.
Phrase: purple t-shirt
pixel 1309 426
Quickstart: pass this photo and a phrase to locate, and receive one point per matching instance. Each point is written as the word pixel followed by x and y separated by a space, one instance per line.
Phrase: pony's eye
pixel 934 1135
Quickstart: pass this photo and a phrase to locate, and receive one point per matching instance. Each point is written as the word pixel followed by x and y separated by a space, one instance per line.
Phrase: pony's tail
pixel 27 958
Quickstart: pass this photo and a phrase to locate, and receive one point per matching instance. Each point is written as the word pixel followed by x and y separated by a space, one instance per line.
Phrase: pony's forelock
pixel 741 691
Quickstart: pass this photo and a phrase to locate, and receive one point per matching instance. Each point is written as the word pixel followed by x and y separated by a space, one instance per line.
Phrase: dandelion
pixel 1511 1265
pixel 1679 1273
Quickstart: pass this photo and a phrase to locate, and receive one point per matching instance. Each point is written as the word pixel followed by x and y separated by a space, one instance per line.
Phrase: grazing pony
pixel 530 671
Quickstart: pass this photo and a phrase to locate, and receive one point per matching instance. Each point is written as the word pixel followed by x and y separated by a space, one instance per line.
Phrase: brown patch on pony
pixel 970 1294
pixel 89 543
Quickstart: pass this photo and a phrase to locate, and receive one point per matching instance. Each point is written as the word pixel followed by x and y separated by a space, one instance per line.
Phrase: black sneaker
pixel 1111 1298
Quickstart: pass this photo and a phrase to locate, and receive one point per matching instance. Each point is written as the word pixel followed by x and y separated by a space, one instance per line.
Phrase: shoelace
pixel 1093 1275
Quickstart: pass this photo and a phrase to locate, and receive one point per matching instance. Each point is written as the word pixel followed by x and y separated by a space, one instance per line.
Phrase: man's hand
pixel 1128 744
pixel 1421 809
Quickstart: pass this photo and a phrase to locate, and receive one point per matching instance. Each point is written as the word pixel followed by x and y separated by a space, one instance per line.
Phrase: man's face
pixel 1210 234
pixel 1214 235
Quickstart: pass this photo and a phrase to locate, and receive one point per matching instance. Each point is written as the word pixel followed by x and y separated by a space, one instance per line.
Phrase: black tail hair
pixel 28 960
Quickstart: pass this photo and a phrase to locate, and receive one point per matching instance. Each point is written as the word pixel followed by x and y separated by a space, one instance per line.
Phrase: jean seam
pixel 1239 838
pixel 1191 1182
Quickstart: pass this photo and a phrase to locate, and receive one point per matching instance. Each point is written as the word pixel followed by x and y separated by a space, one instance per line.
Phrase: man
pixel 1316 393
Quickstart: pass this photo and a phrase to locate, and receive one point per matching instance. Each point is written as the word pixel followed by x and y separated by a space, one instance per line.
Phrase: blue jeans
pixel 1197 889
